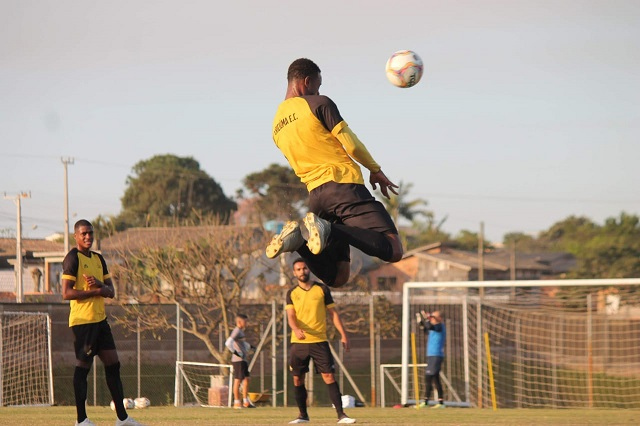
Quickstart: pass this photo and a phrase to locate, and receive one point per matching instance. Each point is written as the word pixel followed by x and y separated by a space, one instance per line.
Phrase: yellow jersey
pixel 310 307
pixel 74 266
pixel 317 142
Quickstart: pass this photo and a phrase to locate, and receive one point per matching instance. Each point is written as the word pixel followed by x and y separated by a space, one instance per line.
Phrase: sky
pixel 528 111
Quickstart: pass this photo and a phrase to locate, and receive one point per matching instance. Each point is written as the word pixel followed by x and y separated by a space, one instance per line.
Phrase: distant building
pixel 439 262
pixel 41 262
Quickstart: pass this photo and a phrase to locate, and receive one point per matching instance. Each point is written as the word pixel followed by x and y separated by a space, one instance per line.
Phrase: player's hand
pixel 345 343
pixel 426 315
pixel 92 281
pixel 381 179
pixel 299 333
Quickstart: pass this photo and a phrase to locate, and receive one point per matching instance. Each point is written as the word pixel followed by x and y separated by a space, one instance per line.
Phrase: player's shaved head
pixel 81 222
pixel 302 68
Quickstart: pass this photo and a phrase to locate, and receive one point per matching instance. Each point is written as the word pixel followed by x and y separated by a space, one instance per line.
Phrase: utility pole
pixel 512 266
pixel 65 162
pixel 481 257
pixel 18 268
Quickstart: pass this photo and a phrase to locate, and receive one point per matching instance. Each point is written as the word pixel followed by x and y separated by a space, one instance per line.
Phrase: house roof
pixel 463 259
pixel 499 260
pixel 8 246
pixel 134 239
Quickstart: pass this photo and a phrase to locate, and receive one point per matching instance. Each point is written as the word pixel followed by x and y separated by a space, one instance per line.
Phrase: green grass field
pixel 165 416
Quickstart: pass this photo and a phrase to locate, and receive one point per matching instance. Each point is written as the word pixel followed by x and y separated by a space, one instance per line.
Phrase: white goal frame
pixel 181 375
pixel 12 359
pixel 406 308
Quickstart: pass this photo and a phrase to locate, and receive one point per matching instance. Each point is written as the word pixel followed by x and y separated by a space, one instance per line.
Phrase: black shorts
pixel 350 204
pixel 240 370
pixel 302 353
pixel 91 339
pixel 434 363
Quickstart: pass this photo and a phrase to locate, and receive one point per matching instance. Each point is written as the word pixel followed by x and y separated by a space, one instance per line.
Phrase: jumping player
pixel 323 151
pixel 307 306
pixel 86 282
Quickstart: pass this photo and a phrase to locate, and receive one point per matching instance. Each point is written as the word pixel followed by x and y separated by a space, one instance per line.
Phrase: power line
pixel 524 199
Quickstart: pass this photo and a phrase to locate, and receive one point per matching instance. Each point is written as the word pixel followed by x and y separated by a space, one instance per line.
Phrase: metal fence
pixel 148 359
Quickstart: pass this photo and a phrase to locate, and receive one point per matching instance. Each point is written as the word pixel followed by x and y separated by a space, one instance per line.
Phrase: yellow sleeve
pixel 356 149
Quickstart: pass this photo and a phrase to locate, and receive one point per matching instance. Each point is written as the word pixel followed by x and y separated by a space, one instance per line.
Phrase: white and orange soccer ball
pixel 404 68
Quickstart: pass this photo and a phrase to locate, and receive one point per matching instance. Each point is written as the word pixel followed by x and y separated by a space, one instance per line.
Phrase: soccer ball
pixel 142 402
pixel 404 68
pixel 127 402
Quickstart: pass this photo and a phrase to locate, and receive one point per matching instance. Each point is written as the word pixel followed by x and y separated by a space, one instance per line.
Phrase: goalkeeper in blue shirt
pixel 432 324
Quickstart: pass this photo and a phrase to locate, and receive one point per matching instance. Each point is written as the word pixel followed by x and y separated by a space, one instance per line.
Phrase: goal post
pixel 207 384
pixel 26 369
pixel 554 343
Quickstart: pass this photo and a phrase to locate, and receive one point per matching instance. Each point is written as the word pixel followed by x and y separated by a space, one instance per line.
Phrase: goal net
pixel 390 381
pixel 26 374
pixel 203 384
pixel 553 343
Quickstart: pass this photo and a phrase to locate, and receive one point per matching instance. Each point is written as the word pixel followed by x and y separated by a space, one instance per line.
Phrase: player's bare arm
pixel 381 179
pixel 337 322
pixel 293 323
pixel 70 293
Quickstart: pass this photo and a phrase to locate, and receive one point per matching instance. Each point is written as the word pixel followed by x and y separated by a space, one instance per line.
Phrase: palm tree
pixel 399 207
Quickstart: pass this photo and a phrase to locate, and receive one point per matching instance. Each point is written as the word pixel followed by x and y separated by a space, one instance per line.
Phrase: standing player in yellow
pixel 324 153
pixel 86 282
pixel 307 306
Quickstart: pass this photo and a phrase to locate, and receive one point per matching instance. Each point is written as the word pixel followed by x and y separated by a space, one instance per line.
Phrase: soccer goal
pixel 553 343
pixel 26 373
pixel 203 384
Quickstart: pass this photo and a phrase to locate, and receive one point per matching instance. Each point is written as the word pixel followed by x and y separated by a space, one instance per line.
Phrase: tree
pixel 570 234
pixel 612 251
pixel 170 190
pixel 424 228
pixel 203 270
pixel 103 227
pixel 524 243
pixel 608 251
pixel 275 193
pixel 467 240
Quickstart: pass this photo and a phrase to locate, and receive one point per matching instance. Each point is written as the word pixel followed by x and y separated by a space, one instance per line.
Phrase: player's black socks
pixel 300 393
pixel 80 389
pixel 428 389
pixel 322 265
pixel 370 242
pixel 336 397
pixel 114 383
